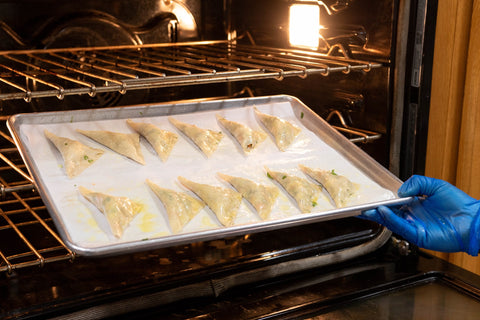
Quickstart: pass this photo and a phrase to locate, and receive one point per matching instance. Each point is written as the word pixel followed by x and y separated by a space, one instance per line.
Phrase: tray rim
pixel 148 110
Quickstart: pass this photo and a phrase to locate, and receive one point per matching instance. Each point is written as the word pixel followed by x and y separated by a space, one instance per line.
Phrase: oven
pixel 361 65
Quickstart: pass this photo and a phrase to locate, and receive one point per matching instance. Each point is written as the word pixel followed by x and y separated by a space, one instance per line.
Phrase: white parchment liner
pixel 116 175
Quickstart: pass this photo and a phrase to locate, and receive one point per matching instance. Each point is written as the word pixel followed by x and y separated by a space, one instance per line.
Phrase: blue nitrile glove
pixel 440 217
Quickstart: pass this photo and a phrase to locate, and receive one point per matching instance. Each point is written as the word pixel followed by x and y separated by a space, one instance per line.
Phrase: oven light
pixel 304 25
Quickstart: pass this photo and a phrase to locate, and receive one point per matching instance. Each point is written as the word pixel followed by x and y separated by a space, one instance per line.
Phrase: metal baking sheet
pixel 85 230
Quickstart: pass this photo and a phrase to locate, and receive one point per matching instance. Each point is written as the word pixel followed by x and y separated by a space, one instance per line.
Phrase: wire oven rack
pixel 57 73
pixel 27 234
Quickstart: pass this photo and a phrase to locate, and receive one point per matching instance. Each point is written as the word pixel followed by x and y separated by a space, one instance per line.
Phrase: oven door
pixel 392 283
pixel 377 287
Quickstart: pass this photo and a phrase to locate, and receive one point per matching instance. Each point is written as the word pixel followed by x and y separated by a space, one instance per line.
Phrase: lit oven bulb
pixel 304 25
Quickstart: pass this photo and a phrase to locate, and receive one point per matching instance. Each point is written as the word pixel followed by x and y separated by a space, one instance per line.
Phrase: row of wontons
pixel 224 202
pixel 77 156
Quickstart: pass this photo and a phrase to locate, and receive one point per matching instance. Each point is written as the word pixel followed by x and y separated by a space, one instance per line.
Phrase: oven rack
pixel 29 74
pixel 28 236
pixel 358 135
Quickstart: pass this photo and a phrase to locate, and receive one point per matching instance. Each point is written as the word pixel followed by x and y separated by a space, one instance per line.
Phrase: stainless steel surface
pixel 57 73
pixel 312 121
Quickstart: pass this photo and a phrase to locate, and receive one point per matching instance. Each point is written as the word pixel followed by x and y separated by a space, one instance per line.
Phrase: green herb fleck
pixel 141 113
pixel 333 172
pixel 90 160
pixel 284 177
pixel 314 203
pixel 71 119
pixel 85 157
pixel 268 175
pixel 301 115
pixel 144 239
pixel 66 143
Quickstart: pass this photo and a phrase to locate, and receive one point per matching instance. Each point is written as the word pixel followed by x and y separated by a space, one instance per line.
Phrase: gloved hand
pixel 440 217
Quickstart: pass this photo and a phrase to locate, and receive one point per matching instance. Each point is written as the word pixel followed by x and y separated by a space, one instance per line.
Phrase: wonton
pixel 305 193
pixel 222 201
pixel 245 136
pixel 162 141
pixel 340 188
pixel 261 197
pixel 76 156
pixel 180 207
pixel 119 211
pixel 207 140
pixel 282 131
pixel 126 144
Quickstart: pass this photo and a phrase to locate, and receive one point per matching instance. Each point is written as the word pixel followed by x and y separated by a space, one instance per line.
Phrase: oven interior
pixel 83 55
pixel 92 55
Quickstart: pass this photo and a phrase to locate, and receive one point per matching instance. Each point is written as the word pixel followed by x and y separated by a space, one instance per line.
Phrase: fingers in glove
pixel 372 215
pixel 419 185
pixel 397 224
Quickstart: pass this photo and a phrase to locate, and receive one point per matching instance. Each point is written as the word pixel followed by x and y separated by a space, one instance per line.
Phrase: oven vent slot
pixel 30 74
pixel 27 232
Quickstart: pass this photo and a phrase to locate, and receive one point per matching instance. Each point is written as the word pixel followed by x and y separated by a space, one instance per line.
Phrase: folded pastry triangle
pixel 305 193
pixel 340 188
pixel 222 201
pixel 207 140
pixel 261 197
pixel 180 207
pixel 126 144
pixel 119 211
pixel 76 156
pixel 245 136
pixel 162 141
pixel 282 131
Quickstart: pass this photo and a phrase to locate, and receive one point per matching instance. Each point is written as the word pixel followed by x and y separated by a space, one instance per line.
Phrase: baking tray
pixel 85 230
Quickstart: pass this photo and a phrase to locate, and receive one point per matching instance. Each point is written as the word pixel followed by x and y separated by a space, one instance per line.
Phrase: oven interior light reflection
pixel 304 25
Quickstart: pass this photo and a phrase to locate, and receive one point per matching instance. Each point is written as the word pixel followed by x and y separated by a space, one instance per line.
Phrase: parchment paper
pixel 116 175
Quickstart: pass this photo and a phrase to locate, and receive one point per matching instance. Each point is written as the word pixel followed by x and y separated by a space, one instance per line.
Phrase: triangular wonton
pixel 76 156
pixel 305 193
pixel 222 201
pixel 162 141
pixel 261 197
pixel 207 140
pixel 180 207
pixel 283 131
pixel 119 211
pixel 338 187
pixel 126 144
pixel 245 136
